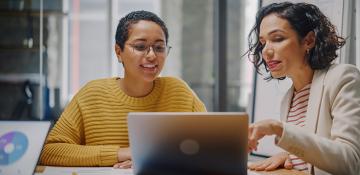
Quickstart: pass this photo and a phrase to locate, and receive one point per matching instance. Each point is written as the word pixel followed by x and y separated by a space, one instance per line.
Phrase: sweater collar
pixel 148 99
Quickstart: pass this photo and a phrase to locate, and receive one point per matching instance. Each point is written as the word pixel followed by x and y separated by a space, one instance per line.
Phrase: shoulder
pixel 98 86
pixel 175 85
pixel 179 91
pixel 172 82
pixel 341 78
pixel 343 69
pixel 341 73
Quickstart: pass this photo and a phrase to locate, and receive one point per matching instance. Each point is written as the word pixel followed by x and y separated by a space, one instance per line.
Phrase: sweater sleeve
pixel 65 144
pixel 198 105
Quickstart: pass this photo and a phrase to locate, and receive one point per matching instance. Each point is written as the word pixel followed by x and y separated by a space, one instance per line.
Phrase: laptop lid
pixel 20 145
pixel 188 143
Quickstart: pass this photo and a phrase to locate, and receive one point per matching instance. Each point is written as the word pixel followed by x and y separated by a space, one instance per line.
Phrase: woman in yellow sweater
pixel 92 130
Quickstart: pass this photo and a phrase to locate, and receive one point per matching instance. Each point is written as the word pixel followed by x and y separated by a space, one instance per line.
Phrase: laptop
pixel 188 143
pixel 20 145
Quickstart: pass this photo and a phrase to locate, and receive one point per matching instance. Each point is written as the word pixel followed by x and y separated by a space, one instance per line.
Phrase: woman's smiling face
pixel 142 57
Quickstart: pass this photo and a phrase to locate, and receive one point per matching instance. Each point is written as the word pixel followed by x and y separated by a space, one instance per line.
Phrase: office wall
pixel 20 50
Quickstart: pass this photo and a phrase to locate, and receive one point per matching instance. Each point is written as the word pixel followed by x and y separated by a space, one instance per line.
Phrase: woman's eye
pixel 140 47
pixel 159 48
pixel 278 39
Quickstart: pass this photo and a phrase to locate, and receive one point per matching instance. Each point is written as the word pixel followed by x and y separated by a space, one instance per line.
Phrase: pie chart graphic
pixel 13 146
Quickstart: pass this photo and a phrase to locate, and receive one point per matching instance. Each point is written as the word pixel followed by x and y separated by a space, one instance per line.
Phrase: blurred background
pixel 49 49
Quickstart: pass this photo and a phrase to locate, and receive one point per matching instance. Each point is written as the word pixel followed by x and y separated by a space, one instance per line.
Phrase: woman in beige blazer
pixel 297 41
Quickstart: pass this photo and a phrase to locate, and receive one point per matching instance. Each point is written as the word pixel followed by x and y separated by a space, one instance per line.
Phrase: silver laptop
pixel 188 143
pixel 20 145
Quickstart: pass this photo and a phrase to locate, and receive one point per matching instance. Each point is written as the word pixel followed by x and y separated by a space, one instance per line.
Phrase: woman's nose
pixel 151 55
pixel 268 52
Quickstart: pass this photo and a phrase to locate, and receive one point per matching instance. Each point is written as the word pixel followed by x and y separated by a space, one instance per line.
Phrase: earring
pixel 307 51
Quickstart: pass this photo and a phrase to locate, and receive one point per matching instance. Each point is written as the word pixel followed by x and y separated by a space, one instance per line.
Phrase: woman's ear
pixel 309 40
pixel 118 52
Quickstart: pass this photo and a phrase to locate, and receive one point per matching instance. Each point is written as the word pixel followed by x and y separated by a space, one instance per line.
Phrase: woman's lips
pixel 149 68
pixel 273 65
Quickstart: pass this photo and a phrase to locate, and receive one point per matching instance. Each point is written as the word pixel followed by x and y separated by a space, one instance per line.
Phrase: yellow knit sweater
pixel 93 126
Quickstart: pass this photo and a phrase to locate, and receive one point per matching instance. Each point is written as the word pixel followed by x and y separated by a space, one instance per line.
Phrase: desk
pixel 282 172
pixel 40 169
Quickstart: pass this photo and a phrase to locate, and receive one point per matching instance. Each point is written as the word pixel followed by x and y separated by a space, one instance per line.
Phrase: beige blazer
pixel 330 139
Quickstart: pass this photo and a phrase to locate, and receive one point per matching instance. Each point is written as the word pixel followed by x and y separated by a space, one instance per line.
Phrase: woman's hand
pixel 279 160
pixel 124 158
pixel 124 154
pixel 124 165
pixel 261 129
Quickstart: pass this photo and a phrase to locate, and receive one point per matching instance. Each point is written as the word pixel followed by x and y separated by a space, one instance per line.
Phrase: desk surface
pixel 40 169
pixel 282 172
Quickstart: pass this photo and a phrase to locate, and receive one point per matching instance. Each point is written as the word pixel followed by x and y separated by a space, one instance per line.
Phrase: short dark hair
pixel 303 18
pixel 122 31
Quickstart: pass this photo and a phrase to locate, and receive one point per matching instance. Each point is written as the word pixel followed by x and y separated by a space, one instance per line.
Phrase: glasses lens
pixel 159 48
pixel 140 47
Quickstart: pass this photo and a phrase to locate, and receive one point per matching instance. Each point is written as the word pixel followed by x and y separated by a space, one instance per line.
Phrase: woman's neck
pixel 302 78
pixel 135 88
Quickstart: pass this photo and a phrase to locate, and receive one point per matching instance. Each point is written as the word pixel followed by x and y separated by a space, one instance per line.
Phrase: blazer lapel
pixel 316 92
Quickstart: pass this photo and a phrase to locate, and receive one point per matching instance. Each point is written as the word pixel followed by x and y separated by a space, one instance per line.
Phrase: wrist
pixel 123 154
pixel 277 128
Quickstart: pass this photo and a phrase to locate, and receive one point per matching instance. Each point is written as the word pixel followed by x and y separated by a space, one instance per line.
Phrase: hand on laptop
pixel 279 160
pixel 261 129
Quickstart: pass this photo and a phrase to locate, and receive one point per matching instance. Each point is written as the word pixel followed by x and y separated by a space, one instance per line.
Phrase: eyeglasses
pixel 158 49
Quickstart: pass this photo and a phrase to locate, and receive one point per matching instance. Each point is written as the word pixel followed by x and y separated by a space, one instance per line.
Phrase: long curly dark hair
pixel 303 18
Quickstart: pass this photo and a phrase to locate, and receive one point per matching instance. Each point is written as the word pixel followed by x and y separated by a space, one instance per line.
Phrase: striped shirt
pixel 297 116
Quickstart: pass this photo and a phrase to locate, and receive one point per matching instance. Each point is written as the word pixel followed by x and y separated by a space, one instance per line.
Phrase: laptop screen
pixel 188 143
pixel 21 143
